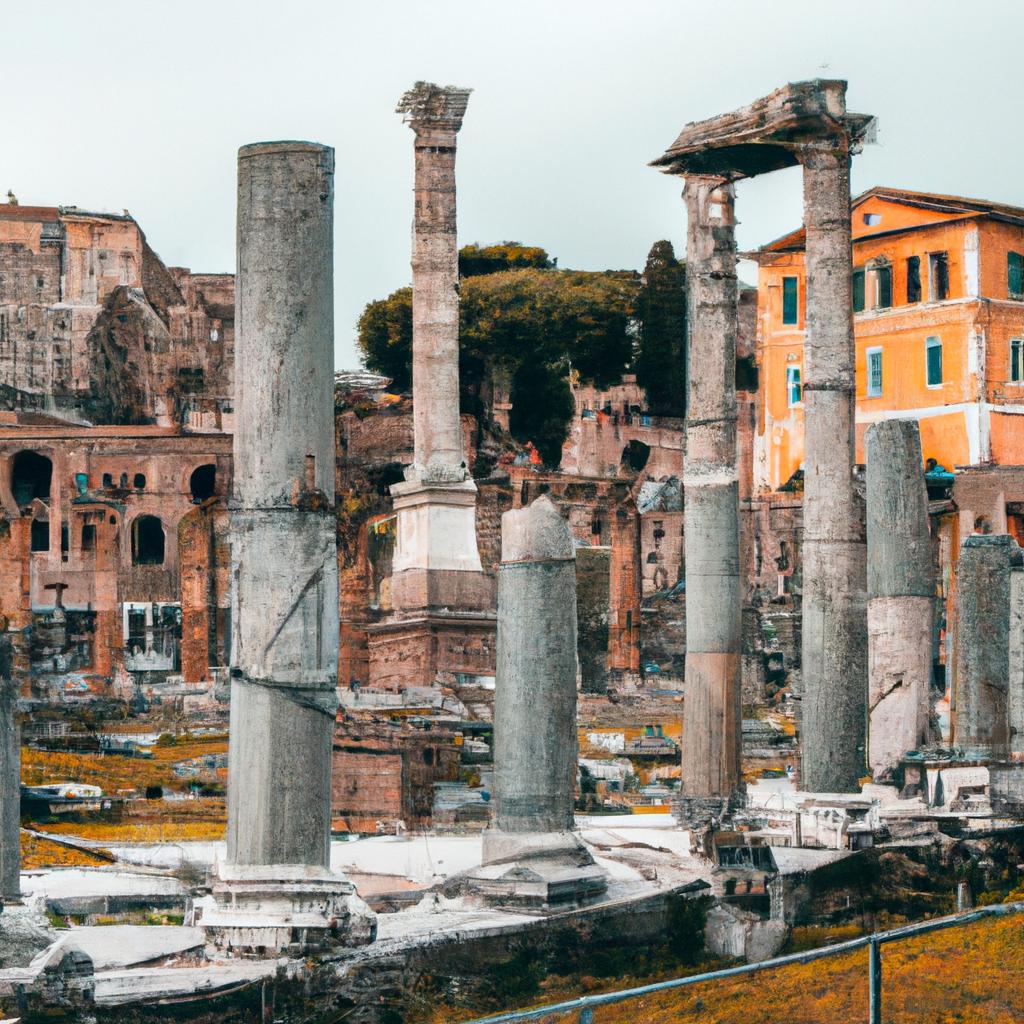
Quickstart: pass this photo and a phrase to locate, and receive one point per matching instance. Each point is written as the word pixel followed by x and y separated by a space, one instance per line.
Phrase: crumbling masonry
pixel 10 775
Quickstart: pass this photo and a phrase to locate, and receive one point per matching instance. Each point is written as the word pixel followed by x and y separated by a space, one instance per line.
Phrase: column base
pixel 269 909
pixel 536 871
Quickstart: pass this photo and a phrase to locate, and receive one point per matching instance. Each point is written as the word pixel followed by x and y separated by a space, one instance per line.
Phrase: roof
pixel 794 241
pixel 52 213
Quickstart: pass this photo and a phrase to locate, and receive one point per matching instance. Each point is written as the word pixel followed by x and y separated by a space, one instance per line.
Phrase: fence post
pixel 875 982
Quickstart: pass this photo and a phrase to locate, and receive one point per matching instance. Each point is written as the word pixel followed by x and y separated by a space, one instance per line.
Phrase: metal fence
pixel 584 1006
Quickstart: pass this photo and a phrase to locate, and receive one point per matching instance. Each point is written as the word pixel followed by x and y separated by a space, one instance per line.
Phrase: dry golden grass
pixel 43 853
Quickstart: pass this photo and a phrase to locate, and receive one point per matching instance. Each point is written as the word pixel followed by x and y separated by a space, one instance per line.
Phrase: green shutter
pixel 884 287
pixel 1015 273
pixel 789 300
pixel 858 291
pixel 934 359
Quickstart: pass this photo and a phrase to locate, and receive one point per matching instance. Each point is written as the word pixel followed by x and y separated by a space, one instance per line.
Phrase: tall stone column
pixel 901 594
pixel 436 547
pixel 531 854
pixel 834 645
pixel 981 727
pixel 711 716
pixel 277 890
pixel 10 780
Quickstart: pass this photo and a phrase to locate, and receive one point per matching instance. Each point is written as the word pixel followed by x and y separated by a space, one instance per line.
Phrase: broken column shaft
pixel 10 780
pixel 711 720
pixel 535 753
pixel 982 692
pixel 834 640
pixel 284 659
pixel 436 117
pixel 901 593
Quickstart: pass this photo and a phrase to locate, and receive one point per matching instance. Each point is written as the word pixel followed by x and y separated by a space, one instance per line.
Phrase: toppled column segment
pixel 711 723
pixel 807 124
pixel 276 890
pixel 982 710
pixel 532 855
pixel 901 594
pixel 10 781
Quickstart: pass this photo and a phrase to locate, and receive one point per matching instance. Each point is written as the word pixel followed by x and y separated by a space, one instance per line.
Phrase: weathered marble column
pixel 10 780
pixel 981 727
pixel 901 594
pixel 535 749
pixel 437 562
pixel 711 715
pixel 284 558
pixel 834 643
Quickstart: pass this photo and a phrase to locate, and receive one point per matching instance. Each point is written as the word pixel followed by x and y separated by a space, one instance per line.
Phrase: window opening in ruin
pixel 31 476
pixel 124 481
pixel 933 355
pixel 858 291
pixel 1015 275
pixel 938 276
pixel 790 300
pixel 629 620
pixel 203 482
pixel 874 372
pixel 1017 360
pixel 39 539
pixel 883 286
pixel 139 483
pixel 428 755
pixel 65 542
pixel 635 455
pixel 147 541
pixel 88 537
pixel 108 480
pixel 794 394
pixel 913 279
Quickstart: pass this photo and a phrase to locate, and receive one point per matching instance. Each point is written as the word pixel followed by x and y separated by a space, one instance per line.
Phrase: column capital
pixel 434 111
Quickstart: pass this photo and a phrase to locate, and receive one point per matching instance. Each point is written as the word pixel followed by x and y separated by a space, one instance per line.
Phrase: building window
pixel 933 360
pixel 31 474
pixel 790 294
pixel 39 539
pixel 794 392
pixel 147 541
pixel 203 483
pixel 89 537
pixel 872 219
pixel 1017 360
pixel 883 286
pixel 858 291
pixel 938 276
pixel 913 279
pixel 108 480
pixel 874 372
pixel 139 483
pixel 1015 275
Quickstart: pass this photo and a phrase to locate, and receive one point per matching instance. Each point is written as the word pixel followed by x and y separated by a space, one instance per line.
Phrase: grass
pixel 44 853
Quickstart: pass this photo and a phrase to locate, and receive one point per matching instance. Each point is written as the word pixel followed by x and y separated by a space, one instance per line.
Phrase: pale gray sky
pixel 141 104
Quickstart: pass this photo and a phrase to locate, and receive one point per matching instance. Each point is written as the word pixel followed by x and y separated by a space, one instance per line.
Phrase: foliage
pixel 37 852
pixel 476 260
pixel 529 326
pixel 660 361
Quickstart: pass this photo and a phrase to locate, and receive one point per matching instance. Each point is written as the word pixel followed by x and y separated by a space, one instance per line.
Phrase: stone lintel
pixel 769 134
pixel 430 108
pixel 411 493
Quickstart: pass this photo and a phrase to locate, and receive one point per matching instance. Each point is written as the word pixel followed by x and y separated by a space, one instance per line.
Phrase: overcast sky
pixel 142 105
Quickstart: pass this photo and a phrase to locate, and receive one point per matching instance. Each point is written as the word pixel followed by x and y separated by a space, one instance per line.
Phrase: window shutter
pixel 789 300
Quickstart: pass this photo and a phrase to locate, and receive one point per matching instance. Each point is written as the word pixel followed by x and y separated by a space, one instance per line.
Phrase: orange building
pixel 938 287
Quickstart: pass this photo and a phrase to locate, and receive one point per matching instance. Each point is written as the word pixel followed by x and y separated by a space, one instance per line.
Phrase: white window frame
pixel 871 392
pixel 1017 343
pixel 794 376
pixel 933 341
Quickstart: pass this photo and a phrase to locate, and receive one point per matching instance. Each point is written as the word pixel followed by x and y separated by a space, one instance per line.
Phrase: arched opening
pixel 31 475
pixel 124 481
pixel 203 482
pixel 147 541
pixel 635 455
pixel 139 483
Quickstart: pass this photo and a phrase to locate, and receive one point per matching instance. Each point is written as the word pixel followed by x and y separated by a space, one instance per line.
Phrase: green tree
pixel 475 260
pixel 529 326
pixel 660 361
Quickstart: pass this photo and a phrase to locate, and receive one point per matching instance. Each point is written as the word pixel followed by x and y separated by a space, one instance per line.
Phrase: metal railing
pixel 585 1005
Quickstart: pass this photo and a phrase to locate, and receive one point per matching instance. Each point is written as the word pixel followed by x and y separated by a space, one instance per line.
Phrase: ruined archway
pixel 148 541
pixel 203 482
